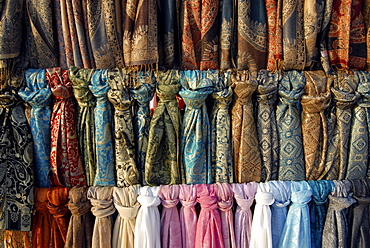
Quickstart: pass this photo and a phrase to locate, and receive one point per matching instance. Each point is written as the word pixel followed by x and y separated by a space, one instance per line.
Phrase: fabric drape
pixel 162 162
pixel 200 34
pixel 58 208
pixel 103 209
pixel 314 123
pixel 41 220
pixel 225 203
pixel 297 231
pixel 320 191
pixel 358 157
pixel 59 34
pixel 188 214
pixel 81 79
pixel 335 233
pixel 272 12
pixel 261 235
pixel 226 34
pixel 247 159
pixel 80 228
pixel 125 201
pixel 195 133
pixel 209 229
pixel 147 228
pixel 140 32
pixel 251 34
pixel 281 191
pixel 322 36
pixel 244 196
pixel 170 219
pixel 221 150
pixel 266 95
pixel 142 92
pixel 65 161
pixel 124 141
pixel 99 86
pixel 345 96
pixel 291 163
pixel 37 93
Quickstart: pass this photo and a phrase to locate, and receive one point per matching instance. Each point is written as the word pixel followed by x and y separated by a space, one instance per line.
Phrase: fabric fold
pixel 41 220
pixel 226 34
pixel 188 214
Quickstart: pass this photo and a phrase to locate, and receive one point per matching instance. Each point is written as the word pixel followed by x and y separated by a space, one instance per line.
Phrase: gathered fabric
pixel 41 220
pixel 188 214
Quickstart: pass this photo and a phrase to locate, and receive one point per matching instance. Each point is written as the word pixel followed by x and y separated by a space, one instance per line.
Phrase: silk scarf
pixel 226 34
pixel 188 214
pixel 61 47
pixel 41 220
pixel 323 34
pixel 272 19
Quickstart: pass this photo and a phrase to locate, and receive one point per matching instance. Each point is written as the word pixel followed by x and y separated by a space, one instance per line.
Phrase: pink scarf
pixel 188 215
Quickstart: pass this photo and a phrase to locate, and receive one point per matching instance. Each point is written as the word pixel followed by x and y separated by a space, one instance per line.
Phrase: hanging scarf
pixel 247 160
pixel 162 163
pixel 251 35
pixel 170 220
pixel 358 157
pixel 244 197
pixel 320 191
pixel 323 34
pixel 80 228
pixel 200 34
pixel 226 34
pixel 345 96
pixel 125 201
pixel 225 203
pixel 335 231
pixel 103 134
pixel 37 93
pixel 221 150
pixel 40 34
pixel 297 231
pixel 140 43
pixel 85 121
pixel 188 215
pixel 57 12
pixel 272 13
pixel 147 228
pixel 41 220
pixel 119 95
pixel 103 209
pixel 314 123
pixel 195 136
pixel 65 161
pixel 357 37
pixel 281 192
pixel 58 208
pixel 266 123
pixel 294 50
pixel 291 164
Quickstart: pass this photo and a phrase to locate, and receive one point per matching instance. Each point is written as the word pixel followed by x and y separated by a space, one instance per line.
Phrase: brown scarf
pixel 41 220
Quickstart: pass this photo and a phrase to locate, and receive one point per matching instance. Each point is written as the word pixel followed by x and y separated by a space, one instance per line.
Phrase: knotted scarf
pixel 41 221
pixel 188 214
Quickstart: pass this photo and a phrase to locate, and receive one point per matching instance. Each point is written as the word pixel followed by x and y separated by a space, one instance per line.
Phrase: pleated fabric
pixel 103 209
pixel 335 233
pixel 41 220
pixel 225 203
pixel 358 157
pixel 124 140
pixel 272 12
pixel 99 86
pixel 80 228
pixel 244 196
pixel 162 162
pixel 320 191
pixel 170 219
pixel 247 159
pixel 226 34
pixel 37 93
pixel 261 235
pixel 65 161
pixel 297 230
pixel 294 47
pixel 251 35
pixel 195 132
pixel 125 201
pixel 345 96
pixel 291 163
pixel 358 216
pixel 81 79
pixel 221 150
pixel 142 93
pixel 62 59
pixel 58 208
pixel 315 101
pixel 266 95
pixel 209 229
pixel 147 229
pixel 188 214
pixel 281 192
